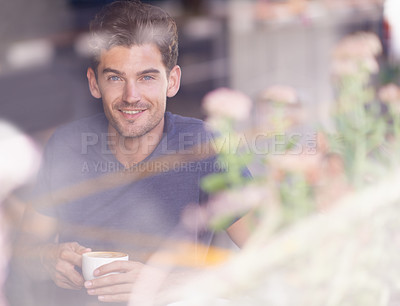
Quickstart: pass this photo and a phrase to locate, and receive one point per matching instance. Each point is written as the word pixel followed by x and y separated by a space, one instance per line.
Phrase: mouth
pixel 132 112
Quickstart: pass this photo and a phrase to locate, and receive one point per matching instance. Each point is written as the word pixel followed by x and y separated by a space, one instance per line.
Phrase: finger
pixel 67 285
pixel 76 278
pixel 110 280
pixel 79 249
pixel 118 266
pixel 69 255
pixel 124 297
pixel 62 282
pixel 67 271
pixel 111 290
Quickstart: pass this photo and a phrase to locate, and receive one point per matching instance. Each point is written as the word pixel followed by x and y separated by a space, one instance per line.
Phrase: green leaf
pixel 214 182
pixel 222 222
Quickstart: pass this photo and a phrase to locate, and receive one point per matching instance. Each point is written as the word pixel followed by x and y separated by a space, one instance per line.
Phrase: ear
pixel 174 81
pixel 93 86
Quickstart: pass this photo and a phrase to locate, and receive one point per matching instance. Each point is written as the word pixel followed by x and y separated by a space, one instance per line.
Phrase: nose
pixel 131 92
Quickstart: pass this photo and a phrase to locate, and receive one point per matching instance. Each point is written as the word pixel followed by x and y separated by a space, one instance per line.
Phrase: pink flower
pixel 308 165
pixel 348 66
pixel 389 93
pixel 359 45
pixel 370 64
pixel 355 52
pixel 228 103
pixel 280 93
pixel 342 67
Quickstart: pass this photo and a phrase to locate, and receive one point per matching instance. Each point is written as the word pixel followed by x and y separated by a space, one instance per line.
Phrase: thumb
pixel 79 249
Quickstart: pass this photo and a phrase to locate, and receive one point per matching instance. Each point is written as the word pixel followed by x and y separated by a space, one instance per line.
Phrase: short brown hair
pixel 129 23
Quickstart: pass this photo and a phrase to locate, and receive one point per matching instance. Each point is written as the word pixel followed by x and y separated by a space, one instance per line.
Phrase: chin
pixel 132 134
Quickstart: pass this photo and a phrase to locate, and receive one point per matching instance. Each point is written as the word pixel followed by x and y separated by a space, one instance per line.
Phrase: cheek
pixel 152 92
pixel 111 92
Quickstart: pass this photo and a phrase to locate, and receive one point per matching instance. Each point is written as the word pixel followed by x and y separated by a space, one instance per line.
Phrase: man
pixel 107 182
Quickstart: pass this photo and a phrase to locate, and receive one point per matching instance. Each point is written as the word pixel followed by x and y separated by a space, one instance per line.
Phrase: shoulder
pixel 94 123
pixel 182 122
pixel 180 125
pixel 74 133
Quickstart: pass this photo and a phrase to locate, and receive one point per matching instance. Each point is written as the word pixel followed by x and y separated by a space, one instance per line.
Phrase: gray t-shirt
pixel 98 206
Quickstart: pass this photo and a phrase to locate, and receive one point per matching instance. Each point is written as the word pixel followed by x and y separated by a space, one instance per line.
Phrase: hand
pixel 130 276
pixel 60 260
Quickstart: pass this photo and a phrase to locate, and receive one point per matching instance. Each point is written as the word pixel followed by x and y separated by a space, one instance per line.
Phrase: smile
pixel 132 112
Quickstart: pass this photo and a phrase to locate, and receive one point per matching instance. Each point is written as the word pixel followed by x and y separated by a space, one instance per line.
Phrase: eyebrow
pixel 146 71
pixel 110 70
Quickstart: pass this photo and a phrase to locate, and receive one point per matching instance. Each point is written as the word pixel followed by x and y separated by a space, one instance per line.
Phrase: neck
pixel 132 150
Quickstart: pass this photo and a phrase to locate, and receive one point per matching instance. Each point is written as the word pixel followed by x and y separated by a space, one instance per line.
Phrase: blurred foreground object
pixel 356 54
pixel 347 256
pixel 360 127
pixel 18 163
pixel 327 228
pixel 19 158
pixel 228 103
pixel 30 54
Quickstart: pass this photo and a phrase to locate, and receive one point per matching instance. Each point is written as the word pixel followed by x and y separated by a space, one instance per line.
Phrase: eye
pixel 114 78
pixel 147 78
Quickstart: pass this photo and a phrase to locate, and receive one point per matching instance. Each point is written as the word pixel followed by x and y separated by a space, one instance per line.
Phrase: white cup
pixel 92 260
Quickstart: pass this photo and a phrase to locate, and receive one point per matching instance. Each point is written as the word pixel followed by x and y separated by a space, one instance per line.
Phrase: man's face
pixel 134 86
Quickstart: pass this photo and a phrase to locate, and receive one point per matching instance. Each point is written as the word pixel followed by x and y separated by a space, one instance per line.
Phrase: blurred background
pixel 244 44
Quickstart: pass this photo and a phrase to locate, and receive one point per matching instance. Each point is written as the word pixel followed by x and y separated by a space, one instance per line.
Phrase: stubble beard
pixel 134 132
pixel 128 129
pixel 133 128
